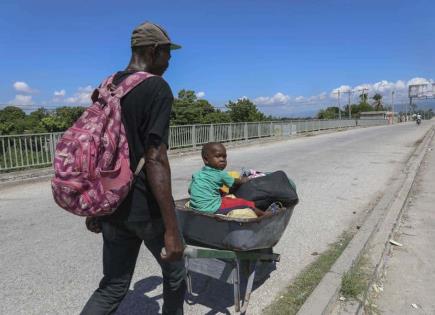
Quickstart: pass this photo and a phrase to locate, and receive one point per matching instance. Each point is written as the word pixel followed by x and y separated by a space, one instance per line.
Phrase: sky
pixel 289 57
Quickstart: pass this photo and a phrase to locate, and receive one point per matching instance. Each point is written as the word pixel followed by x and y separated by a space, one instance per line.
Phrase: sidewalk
pixel 409 281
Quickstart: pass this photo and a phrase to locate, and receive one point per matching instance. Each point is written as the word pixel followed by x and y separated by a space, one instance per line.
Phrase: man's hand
pixel 93 225
pixel 174 248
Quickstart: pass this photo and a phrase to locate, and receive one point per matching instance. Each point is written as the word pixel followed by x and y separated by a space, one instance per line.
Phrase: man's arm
pixel 158 174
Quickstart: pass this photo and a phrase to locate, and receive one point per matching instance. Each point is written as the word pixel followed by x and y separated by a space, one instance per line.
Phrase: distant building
pixel 374 115
pixel 377 115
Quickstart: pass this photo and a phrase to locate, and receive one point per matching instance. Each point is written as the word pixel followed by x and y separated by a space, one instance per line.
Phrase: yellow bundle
pixel 225 189
pixel 246 213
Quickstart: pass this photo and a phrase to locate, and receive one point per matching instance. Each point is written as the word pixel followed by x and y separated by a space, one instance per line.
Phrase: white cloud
pixel 419 81
pixel 318 97
pixel 341 89
pixel 285 103
pixel 60 93
pixel 22 100
pixel 23 87
pixel 362 87
pixel 277 99
pixel 82 96
pixel 384 87
pixel 322 95
pixel 400 85
pixel 200 94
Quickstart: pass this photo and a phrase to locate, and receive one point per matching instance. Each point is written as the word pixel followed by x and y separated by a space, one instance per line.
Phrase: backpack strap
pixel 123 89
pixel 129 83
pixel 103 89
pixel 107 87
pixel 140 166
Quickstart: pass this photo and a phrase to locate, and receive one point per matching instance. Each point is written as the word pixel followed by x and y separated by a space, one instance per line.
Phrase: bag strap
pixel 107 87
pixel 123 89
pixel 129 83
pixel 140 166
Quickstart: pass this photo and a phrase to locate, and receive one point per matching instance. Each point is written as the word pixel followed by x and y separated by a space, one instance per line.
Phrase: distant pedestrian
pixel 147 214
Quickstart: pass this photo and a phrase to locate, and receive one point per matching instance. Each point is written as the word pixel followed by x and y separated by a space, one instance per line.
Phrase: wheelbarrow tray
pixel 221 232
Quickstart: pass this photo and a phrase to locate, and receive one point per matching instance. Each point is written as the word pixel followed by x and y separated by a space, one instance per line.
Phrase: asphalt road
pixel 51 265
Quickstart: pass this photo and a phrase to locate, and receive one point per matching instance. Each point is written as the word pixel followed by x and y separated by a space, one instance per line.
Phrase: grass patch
pixel 355 281
pixel 305 283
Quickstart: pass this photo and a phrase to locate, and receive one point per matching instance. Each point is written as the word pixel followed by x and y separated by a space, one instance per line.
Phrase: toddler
pixel 205 187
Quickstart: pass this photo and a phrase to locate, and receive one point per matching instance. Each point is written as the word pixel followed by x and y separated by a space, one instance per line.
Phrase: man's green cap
pixel 148 33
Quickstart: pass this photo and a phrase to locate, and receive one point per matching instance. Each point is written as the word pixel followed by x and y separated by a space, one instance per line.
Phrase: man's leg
pixel 174 285
pixel 120 251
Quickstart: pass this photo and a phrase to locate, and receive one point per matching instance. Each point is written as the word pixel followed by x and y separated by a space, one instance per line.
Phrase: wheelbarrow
pixel 222 248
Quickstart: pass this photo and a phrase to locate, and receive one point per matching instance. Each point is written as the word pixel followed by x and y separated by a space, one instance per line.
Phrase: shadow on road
pixel 138 302
pixel 215 295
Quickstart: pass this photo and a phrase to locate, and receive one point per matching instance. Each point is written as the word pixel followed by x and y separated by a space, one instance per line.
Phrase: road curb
pixel 26 176
pixel 374 234
pixel 380 246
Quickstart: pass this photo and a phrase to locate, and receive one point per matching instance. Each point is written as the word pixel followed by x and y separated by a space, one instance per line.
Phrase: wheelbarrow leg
pixel 236 284
pixel 252 267
pixel 188 276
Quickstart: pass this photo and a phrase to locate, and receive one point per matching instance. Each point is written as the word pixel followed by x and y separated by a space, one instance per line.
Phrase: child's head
pixel 214 155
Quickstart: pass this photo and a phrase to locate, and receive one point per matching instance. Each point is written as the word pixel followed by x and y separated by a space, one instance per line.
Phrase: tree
pixel 364 97
pixel 244 110
pixel 328 113
pixel 188 109
pixel 32 122
pixel 377 104
pixel 364 107
pixel 53 123
pixel 217 117
pixel 69 114
pixel 6 128
pixel 61 119
pixel 39 113
pixel 11 114
pixel 12 120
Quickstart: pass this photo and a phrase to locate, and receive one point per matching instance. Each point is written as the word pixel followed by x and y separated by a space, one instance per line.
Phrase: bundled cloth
pixel 268 189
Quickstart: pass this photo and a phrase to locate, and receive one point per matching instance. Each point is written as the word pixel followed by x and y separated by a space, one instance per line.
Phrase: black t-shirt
pixel 146 112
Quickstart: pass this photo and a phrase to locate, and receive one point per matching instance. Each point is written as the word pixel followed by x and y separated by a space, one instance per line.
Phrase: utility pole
pixel 338 99
pixel 392 103
pixel 349 93
pixel 339 106
pixel 407 109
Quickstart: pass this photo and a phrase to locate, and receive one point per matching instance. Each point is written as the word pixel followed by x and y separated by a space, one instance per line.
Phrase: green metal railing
pixel 37 150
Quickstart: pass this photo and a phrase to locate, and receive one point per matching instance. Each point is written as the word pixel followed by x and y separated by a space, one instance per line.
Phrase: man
pixel 148 212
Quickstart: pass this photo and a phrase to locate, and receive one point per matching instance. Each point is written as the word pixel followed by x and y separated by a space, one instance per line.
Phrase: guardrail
pixel 37 150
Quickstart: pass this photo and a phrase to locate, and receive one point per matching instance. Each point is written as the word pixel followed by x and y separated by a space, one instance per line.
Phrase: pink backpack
pixel 91 163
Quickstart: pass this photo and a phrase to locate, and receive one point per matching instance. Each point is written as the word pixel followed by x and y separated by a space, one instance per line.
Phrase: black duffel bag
pixel 265 190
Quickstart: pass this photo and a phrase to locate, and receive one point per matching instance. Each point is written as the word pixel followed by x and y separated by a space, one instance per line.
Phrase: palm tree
pixel 377 104
pixel 364 98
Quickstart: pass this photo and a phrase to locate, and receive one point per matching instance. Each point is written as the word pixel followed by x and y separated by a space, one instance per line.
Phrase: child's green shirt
pixel 204 188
